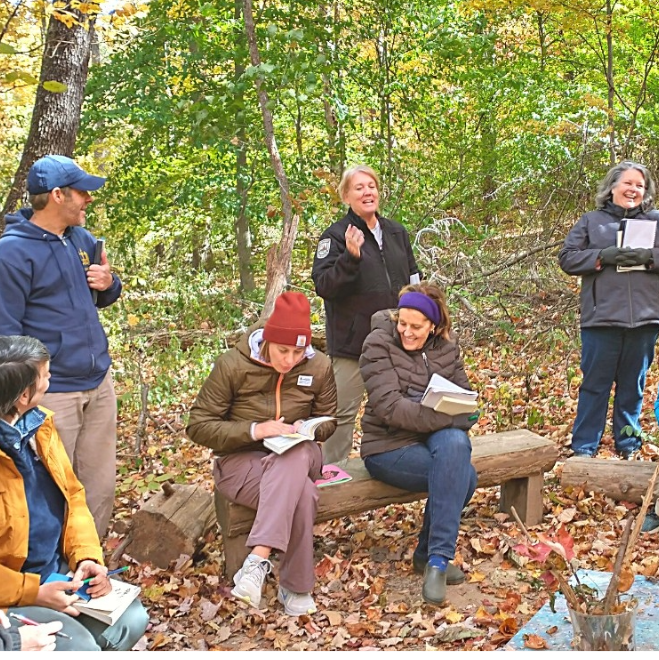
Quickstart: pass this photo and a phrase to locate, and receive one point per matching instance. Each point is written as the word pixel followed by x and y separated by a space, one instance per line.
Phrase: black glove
pixel 466 420
pixel 636 257
pixel 609 255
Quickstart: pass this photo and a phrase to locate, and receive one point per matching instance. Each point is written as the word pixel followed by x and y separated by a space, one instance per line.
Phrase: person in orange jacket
pixel 45 524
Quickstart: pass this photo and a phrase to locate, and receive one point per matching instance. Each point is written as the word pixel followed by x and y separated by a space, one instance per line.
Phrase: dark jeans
pixel 612 355
pixel 442 467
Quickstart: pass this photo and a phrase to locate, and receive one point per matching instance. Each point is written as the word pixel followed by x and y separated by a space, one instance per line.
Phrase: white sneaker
pixel 296 604
pixel 249 580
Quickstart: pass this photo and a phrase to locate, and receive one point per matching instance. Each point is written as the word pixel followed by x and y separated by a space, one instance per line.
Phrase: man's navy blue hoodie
pixel 44 294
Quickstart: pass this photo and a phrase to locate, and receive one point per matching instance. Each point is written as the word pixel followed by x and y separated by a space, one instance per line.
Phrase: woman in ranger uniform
pixel 362 262
pixel 264 387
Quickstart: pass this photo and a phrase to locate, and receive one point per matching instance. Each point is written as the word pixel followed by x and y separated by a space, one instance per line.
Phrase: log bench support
pixel 525 495
pixel 516 460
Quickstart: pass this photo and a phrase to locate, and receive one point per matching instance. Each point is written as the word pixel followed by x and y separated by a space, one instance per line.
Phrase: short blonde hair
pixel 346 178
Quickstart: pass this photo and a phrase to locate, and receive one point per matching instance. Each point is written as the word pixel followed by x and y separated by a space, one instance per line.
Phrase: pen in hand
pixel 108 574
pixel 30 622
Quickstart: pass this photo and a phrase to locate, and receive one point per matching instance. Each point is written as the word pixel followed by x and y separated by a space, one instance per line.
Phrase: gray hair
pixel 608 183
pixel 20 359
pixel 348 174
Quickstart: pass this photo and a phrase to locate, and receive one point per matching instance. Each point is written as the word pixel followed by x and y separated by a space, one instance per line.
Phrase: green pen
pixel 109 573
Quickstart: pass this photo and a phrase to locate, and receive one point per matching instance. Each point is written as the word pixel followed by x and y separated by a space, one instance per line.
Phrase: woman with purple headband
pixel 411 446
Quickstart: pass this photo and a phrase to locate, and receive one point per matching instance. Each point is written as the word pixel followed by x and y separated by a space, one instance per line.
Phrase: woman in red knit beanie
pixel 264 387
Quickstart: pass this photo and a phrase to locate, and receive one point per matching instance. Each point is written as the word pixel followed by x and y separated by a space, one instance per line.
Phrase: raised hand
pixel 354 241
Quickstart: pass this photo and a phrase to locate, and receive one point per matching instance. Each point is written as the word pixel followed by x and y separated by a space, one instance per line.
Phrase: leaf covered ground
pixel 367 594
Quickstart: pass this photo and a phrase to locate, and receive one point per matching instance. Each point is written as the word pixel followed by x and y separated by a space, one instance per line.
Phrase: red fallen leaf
pixel 550 580
pixel 535 642
pixel 562 542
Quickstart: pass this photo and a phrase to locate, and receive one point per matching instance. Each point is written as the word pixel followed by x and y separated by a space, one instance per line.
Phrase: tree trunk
pixel 56 115
pixel 241 222
pixel 279 256
pixel 610 82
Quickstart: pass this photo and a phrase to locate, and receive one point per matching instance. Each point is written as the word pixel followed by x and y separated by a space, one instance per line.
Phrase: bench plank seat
pixel 515 459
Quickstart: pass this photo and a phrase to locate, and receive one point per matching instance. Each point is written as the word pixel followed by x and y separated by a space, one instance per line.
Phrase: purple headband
pixel 422 303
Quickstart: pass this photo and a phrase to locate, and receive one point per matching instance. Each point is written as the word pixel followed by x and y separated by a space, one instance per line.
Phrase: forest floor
pixel 367 595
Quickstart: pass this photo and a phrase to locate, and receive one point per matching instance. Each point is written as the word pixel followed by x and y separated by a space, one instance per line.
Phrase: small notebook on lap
pixel 108 608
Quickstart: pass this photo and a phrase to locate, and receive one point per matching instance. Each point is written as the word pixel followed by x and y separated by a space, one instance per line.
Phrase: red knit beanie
pixel 290 322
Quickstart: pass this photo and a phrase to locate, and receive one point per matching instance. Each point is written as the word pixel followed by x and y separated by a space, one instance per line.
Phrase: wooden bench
pixel 515 459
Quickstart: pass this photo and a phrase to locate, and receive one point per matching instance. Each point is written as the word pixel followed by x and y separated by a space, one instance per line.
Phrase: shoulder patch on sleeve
pixel 323 248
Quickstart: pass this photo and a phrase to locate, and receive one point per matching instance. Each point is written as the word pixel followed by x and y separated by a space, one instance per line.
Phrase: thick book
pixel 108 608
pixel 446 397
pixel 281 443
pixel 332 474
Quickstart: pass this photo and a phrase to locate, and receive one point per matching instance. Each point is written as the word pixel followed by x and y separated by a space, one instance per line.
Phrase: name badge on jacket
pixel 304 380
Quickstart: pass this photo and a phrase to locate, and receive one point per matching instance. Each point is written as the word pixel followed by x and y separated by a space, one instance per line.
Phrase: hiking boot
pixel 296 604
pixel 249 580
pixel 434 586
pixel 453 574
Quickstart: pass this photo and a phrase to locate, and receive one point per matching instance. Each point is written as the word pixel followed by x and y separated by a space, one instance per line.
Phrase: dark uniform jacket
pixel 241 390
pixel 609 298
pixel 354 289
pixel 396 380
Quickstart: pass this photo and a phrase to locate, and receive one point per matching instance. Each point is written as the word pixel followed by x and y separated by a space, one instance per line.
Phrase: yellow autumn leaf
pixel 453 617
pixel 132 320
pixel 482 613
pixel 476 577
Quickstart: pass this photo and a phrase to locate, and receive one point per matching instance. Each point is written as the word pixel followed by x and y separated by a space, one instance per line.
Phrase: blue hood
pixel 44 294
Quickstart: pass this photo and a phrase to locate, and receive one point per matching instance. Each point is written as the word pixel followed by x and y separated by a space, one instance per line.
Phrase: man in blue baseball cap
pixel 54 276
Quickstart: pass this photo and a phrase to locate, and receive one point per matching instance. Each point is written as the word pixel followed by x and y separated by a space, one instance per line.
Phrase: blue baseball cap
pixel 52 172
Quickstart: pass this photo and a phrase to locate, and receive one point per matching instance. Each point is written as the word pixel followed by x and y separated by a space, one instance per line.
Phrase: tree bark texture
pixel 56 115
pixel 279 256
pixel 242 230
pixel 620 480
pixel 170 524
